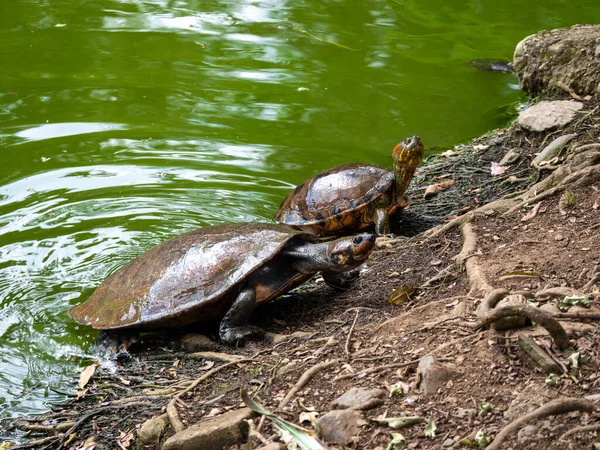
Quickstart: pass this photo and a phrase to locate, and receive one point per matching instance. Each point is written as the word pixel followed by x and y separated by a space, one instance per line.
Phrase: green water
pixel 124 123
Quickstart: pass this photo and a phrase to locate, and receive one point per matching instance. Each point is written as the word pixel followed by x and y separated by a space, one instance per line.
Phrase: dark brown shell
pixel 187 279
pixel 336 198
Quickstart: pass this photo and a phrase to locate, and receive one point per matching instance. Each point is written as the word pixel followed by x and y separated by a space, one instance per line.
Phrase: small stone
pixel 526 433
pixel 213 433
pixel 194 342
pixel 152 429
pixel 510 157
pixel 432 374
pixel 359 398
pixel 548 115
pixel 448 443
pixel 339 426
pixel 558 237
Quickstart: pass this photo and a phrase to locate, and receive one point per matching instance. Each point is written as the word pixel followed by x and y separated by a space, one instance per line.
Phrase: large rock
pixel 339 426
pixel 559 61
pixel 432 374
pixel 546 116
pixel 213 433
pixel 359 398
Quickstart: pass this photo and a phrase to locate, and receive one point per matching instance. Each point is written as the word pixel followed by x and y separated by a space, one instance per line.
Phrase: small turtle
pixel 352 196
pixel 216 274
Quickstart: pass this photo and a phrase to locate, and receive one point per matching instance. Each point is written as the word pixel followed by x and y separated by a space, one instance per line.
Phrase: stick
pixel 347 346
pixel 385 366
pixel 304 379
pixel 477 279
pixel 551 408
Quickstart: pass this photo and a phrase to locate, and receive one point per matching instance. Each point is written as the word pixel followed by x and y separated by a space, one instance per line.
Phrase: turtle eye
pixel 357 240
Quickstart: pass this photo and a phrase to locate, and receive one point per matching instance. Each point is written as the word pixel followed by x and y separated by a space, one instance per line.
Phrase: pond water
pixel 124 123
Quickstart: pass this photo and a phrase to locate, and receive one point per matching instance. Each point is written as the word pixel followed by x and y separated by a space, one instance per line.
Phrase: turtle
pixel 353 196
pixel 217 273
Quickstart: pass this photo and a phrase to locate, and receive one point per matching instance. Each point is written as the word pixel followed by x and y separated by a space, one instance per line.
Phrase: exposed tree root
pixel 554 407
pixel 595 279
pixel 305 378
pixel 37 443
pixel 477 279
pixel 542 318
pixel 347 346
pixel 584 429
pixel 383 367
pixel 489 302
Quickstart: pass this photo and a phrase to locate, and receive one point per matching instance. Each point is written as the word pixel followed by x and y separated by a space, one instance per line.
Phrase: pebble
pixel 339 426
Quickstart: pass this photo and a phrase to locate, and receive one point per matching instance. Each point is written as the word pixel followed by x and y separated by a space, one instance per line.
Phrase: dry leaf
pixel 86 374
pixel 435 188
pixel 531 214
pixel 208 365
pixel 126 439
pixel 400 295
pixel 481 147
pixel 308 417
pixel 449 153
pixel 596 205
pixel 89 444
pixel 125 381
pixel 176 363
pixel 497 169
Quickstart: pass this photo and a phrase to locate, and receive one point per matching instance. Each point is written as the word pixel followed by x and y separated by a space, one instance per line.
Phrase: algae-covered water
pixel 124 123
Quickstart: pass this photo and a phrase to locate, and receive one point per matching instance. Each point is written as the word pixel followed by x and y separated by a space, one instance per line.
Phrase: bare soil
pixel 493 240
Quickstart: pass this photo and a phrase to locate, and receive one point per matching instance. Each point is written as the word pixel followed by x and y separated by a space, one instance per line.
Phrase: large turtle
pixel 352 196
pixel 216 273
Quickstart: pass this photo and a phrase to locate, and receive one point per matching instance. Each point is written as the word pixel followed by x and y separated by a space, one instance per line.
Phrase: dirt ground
pixel 534 234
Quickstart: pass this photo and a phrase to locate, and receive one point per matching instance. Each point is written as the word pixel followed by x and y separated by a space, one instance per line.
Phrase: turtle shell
pixel 337 199
pixel 187 279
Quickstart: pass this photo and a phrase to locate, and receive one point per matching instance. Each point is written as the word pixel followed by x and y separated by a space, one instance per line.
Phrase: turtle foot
pixel 238 335
pixel 111 344
pixel 341 281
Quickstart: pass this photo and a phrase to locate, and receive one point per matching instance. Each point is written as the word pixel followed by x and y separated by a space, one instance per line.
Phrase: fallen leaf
pixel 176 363
pixel 531 214
pixel 86 374
pixel 430 428
pixel 449 153
pixel 596 205
pixel 398 442
pixel 208 365
pixel 125 381
pixel 435 188
pixel 400 295
pixel 126 438
pixel 310 417
pixel 481 147
pixel 497 169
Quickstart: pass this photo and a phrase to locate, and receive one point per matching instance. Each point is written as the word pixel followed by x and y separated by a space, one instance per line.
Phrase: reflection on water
pixel 124 123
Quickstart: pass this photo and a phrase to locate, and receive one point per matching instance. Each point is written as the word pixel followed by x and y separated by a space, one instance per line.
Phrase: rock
pixel 559 61
pixel 152 429
pixel 273 446
pixel 547 115
pixel 510 157
pixel 550 307
pixel 339 426
pixel 194 342
pixel 526 434
pixel 448 443
pixel 432 375
pixel 213 433
pixel 359 398
pixel 509 322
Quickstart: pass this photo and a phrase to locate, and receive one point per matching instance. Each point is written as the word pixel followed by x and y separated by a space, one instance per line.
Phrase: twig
pixel 304 379
pixel 172 409
pixel 82 420
pixel 347 346
pixel 441 274
pixel 456 341
pixel 595 279
pixel 551 408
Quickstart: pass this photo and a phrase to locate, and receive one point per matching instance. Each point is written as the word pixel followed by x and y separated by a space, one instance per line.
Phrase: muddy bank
pixel 476 325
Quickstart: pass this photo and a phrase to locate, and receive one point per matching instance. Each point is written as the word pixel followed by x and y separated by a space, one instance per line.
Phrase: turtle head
pixel 407 156
pixel 350 252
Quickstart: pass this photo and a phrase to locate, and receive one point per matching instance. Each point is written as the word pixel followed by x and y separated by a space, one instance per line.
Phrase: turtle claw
pixel 238 335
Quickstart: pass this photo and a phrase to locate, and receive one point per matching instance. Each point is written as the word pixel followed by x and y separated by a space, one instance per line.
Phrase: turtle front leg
pixel 341 281
pixel 382 222
pixel 234 327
